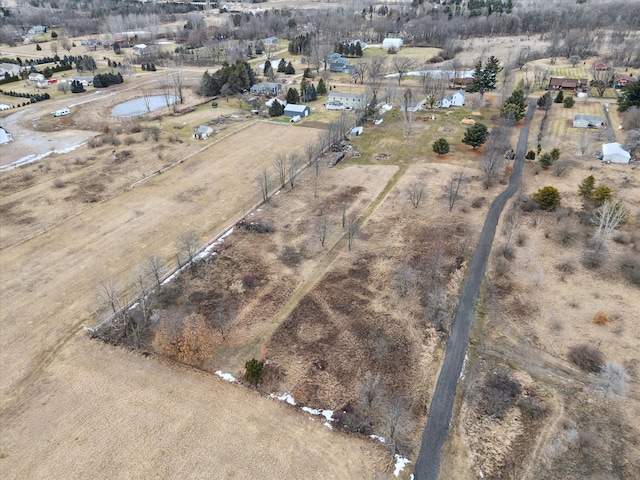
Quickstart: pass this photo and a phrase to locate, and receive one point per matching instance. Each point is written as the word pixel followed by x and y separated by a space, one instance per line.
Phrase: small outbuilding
pixel 392 43
pixel 203 132
pixel 293 109
pixel 614 153
pixel 356 131
pixel 587 121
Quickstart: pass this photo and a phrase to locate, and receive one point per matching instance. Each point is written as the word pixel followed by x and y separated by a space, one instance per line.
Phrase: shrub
pixel 59 183
pixel 501 392
pixel 257 226
pixel 253 371
pixel 545 160
pixel 533 408
pixel 602 194
pixel 129 140
pixel 547 197
pixel 586 358
pixel 291 257
pixel 592 259
pixel 601 318
pixel 477 202
pixel 630 268
pixel 441 146
pixel 566 267
pixel 249 282
pixel 531 155
pixel 568 102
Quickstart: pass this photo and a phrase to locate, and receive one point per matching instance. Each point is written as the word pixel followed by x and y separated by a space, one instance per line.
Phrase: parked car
pixel 61 113
pixel 214 105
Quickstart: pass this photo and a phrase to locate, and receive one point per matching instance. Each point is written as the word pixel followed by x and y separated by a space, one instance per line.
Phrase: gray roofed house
pixel 9 69
pixel 587 121
pixel 293 109
pixel 266 88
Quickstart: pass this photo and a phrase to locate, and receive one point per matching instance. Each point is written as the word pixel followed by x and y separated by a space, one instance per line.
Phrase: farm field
pixel 344 286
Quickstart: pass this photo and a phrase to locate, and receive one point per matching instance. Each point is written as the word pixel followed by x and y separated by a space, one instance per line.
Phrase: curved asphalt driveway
pixel 435 433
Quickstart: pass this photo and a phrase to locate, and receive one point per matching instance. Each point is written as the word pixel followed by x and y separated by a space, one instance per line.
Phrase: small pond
pixel 140 106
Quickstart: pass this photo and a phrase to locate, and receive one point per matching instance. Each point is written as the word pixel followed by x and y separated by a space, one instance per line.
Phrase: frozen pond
pixel 142 105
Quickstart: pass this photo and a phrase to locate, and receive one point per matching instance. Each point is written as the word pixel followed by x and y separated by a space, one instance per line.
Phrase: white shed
pixel 203 132
pixel 392 43
pixel 614 153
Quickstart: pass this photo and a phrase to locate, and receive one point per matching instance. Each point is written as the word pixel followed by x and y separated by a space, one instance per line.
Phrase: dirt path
pixel 233 358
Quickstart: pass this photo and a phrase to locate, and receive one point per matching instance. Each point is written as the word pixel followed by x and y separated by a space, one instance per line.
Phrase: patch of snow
pixel 464 364
pixel 277 193
pixel 376 437
pixel 481 474
pixel 285 397
pixel 328 414
pixel 226 376
pixel 328 425
pixel 411 477
pixel 401 462
pixel 34 158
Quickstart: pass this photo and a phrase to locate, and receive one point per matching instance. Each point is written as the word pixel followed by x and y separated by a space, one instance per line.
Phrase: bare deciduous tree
pixel 406 109
pixel 223 320
pixel 375 74
pixel 187 244
pixel 402 66
pixel 322 229
pixel 155 268
pixel 344 206
pixel 415 191
pixel 262 179
pixel 396 422
pixel 109 298
pixel 612 380
pixel 280 166
pixel 434 85
pixel 493 156
pixel 607 218
pixel 405 278
pixel 293 170
pixel 370 394
pixel 452 189
pixel 352 230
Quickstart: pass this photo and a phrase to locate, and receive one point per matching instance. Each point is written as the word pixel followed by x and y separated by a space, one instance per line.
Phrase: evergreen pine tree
pixel 293 96
pixel 322 88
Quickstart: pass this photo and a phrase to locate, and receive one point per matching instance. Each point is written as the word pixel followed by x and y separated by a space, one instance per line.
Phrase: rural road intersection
pixel 435 433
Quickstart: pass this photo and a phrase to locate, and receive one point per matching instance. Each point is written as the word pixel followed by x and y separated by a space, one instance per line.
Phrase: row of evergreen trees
pixel 103 80
pixel 228 79
pixel 348 49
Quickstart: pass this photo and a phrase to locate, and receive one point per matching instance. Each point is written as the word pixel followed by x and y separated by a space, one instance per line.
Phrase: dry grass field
pixel 327 320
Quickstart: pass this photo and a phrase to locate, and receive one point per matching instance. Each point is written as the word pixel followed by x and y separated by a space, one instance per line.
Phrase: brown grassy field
pixel 323 317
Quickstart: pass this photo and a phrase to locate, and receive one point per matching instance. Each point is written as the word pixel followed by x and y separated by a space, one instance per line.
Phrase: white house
pixel 293 109
pixel 5 137
pixel 587 121
pixel 36 77
pixel 614 153
pixel 346 101
pixel 140 49
pixel 451 100
pixel 392 43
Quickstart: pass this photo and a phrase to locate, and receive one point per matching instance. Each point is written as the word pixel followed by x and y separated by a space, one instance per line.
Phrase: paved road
pixel 435 433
